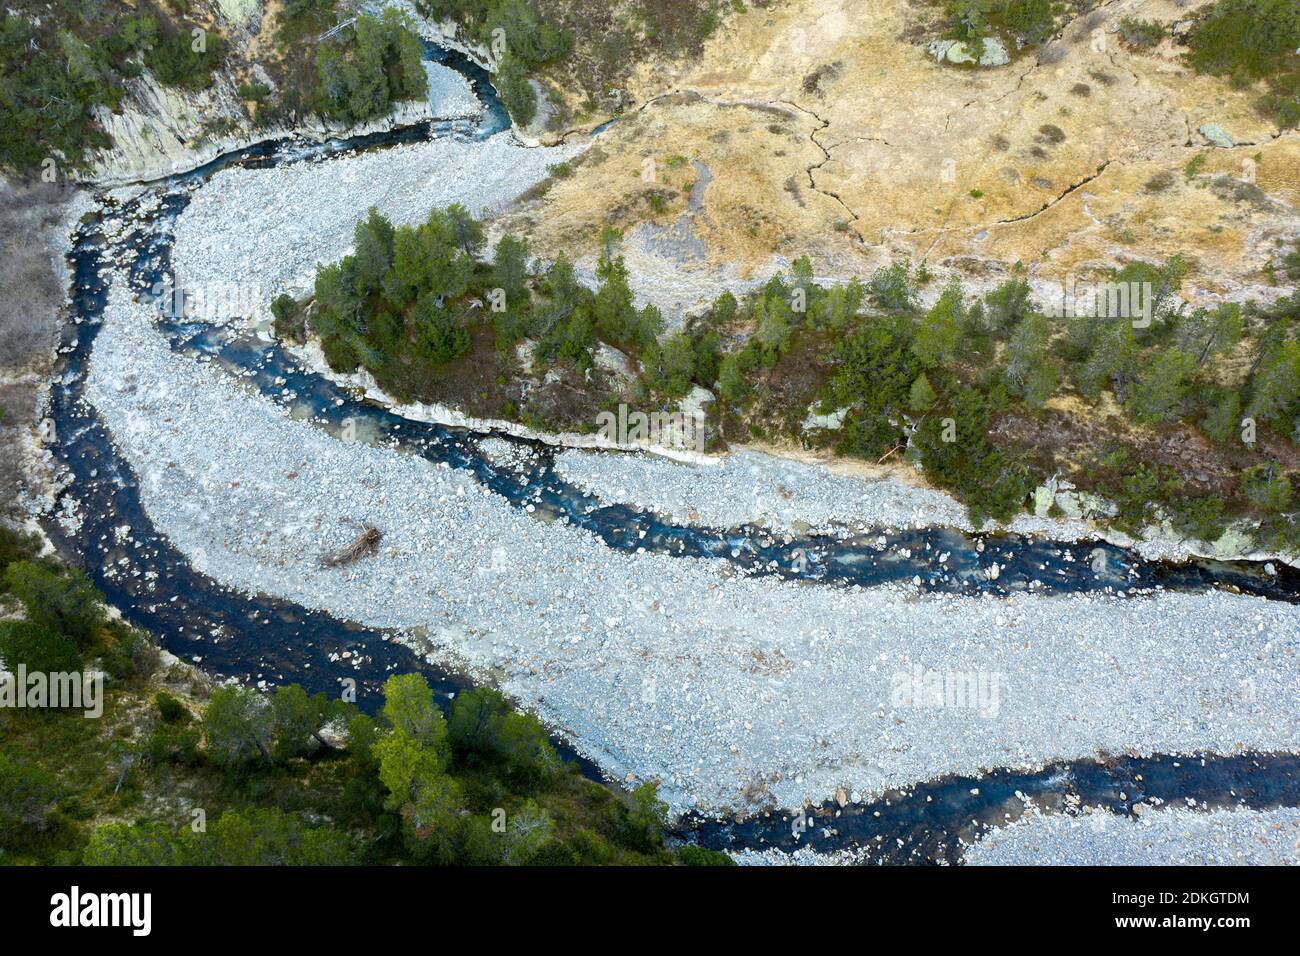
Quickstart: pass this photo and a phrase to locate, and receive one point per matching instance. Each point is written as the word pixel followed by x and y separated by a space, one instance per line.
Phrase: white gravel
pixel 749 487
pixel 450 94
pixel 1167 837
pixel 804 856
pixel 266 229
pixel 799 497
pixel 734 692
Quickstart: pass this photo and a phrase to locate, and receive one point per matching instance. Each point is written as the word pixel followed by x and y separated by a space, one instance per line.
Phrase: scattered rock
pixel 1216 135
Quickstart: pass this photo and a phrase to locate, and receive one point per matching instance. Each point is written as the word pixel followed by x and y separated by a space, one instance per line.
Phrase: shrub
pixel 1140 33
pixel 439 337
pixel 482 726
pixel 1201 518
pixel 27 798
pixel 237 727
pixel 288 321
pixel 170 709
pixel 516 93
pixel 1223 415
pixel 1007 305
pixel 127 653
pixel 939 331
pixel 890 289
pixel 646 818
pixel 670 368
pixel 1162 386
pixel 66 604
pixel 186 58
pixel 732 386
pixel 16 545
pixel 1266 488
pixel 1250 40
pixel 692 855
pixel 38 649
pixel 921 396
pixel 254 837
pixel 1029 371
pixel 1245 39
pixel 959 455
pixel 867 435
pixel 875 365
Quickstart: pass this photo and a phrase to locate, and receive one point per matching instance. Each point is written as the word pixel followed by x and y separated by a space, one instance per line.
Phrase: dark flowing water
pixel 933 821
pixel 257 638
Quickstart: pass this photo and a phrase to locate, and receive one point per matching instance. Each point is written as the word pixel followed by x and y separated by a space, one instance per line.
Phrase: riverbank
pixel 788 491
pixel 790 495
pixel 738 693
pixel 1174 836
pixel 266 229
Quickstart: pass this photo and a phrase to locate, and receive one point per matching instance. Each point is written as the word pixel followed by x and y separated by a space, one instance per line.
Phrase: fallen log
pixel 364 545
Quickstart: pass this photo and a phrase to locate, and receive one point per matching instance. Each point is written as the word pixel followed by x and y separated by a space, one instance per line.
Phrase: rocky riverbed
pixel 736 692
pixel 1169 837
pixel 268 228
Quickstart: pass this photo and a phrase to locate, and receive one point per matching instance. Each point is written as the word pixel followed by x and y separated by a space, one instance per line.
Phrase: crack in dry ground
pixel 826 154
pixel 1046 206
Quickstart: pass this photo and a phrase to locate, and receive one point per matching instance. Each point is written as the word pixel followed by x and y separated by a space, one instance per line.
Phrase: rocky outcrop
pixel 165 131
pixel 161 130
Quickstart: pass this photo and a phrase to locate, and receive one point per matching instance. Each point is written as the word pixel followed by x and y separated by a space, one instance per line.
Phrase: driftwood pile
pixel 365 544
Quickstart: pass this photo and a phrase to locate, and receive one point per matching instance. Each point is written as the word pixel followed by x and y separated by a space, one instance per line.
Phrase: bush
pixel 938 334
pixel 482 726
pixel 867 435
pixel 1029 21
pixel 1162 386
pixel 38 649
pixel 288 321
pixel 1140 33
pixel 1201 518
pixel 1032 21
pixel 670 367
pixel 176 744
pixel 875 366
pixel 1250 40
pixel 1007 305
pixel 65 604
pixel 1223 415
pixel 692 855
pixel 237 838
pixel 381 67
pixel 440 339
pixel 27 798
pixel 1266 488
pixel 16 546
pixel 1245 39
pixel 186 58
pixel 237 727
pixel 958 455
pixel 890 288
pixel 170 709
pixel 646 818
pixel 127 653
pixel 516 93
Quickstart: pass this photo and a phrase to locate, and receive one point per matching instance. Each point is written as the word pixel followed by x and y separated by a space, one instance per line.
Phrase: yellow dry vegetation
pixel 827 131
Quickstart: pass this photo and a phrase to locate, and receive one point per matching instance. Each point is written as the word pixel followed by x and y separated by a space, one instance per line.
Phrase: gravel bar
pixel 266 229
pixel 1168 837
pixel 737 693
